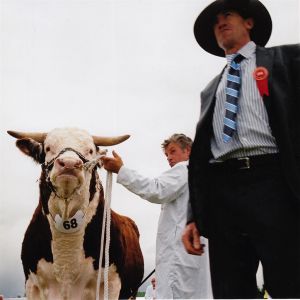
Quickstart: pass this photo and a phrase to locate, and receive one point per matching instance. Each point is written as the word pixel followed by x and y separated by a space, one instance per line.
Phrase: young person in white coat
pixel 150 290
pixel 178 275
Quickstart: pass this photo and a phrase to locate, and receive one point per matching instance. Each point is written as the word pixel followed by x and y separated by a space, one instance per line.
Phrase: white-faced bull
pixel 60 251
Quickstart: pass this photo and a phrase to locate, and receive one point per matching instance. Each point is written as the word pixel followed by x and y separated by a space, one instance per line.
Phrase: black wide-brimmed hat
pixel 260 33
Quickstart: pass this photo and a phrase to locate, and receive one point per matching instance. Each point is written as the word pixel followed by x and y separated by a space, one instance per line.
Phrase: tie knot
pixel 238 58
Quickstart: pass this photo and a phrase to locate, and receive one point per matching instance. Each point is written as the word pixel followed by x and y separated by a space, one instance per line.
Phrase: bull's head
pixel 63 152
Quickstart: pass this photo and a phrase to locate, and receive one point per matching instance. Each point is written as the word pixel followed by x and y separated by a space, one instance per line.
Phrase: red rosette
pixel 261 75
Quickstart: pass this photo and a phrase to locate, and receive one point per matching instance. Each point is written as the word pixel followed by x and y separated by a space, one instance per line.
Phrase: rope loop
pixel 105 224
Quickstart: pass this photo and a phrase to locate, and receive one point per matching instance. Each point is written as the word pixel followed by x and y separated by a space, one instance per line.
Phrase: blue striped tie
pixel 232 96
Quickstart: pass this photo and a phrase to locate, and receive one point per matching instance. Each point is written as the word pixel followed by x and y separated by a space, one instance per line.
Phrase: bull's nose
pixel 69 163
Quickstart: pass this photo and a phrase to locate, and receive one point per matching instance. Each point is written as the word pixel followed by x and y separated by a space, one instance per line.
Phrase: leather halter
pixel 47 167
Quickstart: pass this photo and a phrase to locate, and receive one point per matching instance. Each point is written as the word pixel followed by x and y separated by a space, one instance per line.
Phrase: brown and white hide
pixel 61 246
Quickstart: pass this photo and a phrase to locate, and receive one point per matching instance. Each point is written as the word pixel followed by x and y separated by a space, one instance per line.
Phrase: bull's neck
pixel 67 248
pixel 68 255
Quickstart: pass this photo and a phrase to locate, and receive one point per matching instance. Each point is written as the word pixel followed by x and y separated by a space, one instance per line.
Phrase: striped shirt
pixel 253 135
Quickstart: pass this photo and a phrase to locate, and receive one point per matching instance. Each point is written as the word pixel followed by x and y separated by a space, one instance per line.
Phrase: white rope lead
pixel 108 222
pixel 105 223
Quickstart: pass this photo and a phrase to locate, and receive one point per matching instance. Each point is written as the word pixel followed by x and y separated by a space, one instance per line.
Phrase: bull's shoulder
pixel 125 251
pixel 37 242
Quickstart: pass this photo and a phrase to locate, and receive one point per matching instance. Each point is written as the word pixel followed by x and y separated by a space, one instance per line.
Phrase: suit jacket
pixel 283 108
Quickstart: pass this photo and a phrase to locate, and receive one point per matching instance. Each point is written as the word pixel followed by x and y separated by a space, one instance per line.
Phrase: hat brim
pixel 203 28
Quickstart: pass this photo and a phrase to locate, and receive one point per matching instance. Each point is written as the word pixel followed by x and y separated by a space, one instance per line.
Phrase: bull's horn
pixel 37 136
pixel 109 141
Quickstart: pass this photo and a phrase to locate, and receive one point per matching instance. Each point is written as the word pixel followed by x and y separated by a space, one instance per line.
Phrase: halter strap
pixel 51 162
pixel 48 166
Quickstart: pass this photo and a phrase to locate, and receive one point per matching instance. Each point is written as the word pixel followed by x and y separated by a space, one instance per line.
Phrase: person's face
pixel 175 154
pixel 153 283
pixel 232 31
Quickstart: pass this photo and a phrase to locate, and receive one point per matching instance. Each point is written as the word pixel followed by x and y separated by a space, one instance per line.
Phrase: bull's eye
pixel 91 151
pixel 47 149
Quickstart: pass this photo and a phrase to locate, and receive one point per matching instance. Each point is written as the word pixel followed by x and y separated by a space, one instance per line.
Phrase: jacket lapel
pixel 208 97
pixel 264 58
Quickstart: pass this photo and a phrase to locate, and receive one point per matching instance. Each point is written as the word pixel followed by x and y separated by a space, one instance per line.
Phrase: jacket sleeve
pixel 190 217
pixel 162 189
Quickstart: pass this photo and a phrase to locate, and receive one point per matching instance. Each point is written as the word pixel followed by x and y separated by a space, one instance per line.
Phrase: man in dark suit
pixel 244 170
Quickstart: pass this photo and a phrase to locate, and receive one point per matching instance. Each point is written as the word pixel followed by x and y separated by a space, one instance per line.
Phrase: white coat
pixel 178 274
pixel 150 293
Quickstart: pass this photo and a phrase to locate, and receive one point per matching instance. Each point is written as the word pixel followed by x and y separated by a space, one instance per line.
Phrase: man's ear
pixel 31 148
pixel 249 23
pixel 188 149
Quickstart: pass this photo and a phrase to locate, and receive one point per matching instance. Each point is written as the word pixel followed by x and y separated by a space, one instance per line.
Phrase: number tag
pixel 70 225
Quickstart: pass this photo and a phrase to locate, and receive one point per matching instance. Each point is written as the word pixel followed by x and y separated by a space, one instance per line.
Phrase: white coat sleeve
pixel 165 188
pixel 149 292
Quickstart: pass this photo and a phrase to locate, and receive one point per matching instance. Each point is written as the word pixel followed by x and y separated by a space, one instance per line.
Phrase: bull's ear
pixel 31 148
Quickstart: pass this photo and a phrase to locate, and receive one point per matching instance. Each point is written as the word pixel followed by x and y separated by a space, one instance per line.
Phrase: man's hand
pixel 191 240
pixel 112 164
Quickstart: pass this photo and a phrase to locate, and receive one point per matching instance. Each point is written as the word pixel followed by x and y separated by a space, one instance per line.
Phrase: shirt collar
pixel 247 51
pixel 184 162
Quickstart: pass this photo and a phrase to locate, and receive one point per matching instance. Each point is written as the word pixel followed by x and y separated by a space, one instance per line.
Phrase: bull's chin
pixel 66 185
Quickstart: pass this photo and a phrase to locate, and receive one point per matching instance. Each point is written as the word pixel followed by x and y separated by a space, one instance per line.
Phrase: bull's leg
pixel 114 283
pixel 114 288
pixel 89 291
pixel 33 290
